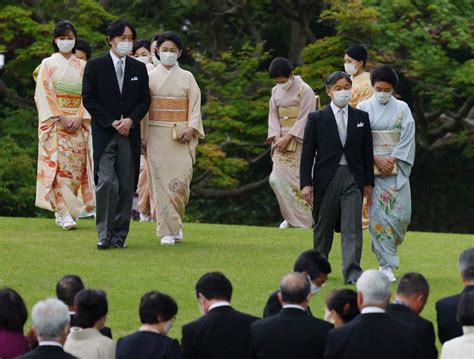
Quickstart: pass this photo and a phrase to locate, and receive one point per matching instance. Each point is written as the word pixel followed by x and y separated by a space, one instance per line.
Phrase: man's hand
pixel 308 195
pixel 123 126
pixel 385 164
pixel 186 135
pixel 281 143
pixel 368 195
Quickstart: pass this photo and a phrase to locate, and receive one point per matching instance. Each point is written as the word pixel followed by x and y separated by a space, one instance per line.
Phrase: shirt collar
pixel 219 304
pixel 295 306
pixel 370 309
pixel 468 329
pixel 116 59
pixel 50 343
pixel 335 109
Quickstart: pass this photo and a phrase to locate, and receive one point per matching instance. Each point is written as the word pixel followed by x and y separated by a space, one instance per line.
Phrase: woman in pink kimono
pixel 291 102
pixel 64 158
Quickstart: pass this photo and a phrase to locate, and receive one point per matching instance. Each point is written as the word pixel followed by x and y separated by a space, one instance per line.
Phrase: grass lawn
pixel 34 254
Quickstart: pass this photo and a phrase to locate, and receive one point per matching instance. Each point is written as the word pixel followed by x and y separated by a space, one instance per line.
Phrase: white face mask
pixel 167 327
pixel 168 58
pixel 201 309
pixel 350 69
pixel 328 316
pixel 65 46
pixel 144 59
pixel 124 47
pixel 383 97
pixel 286 85
pixel 342 97
pixel 155 60
pixel 314 288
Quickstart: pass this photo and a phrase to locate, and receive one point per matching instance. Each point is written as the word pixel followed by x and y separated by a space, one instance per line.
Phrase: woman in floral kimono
pixel 64 159
pixel 393 132
pixel 171 135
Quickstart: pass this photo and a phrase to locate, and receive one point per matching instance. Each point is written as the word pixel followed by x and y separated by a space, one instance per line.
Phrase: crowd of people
pixel 356 324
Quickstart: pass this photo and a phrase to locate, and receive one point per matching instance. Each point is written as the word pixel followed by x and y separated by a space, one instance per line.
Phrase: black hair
pixel 413 283
pixel 335 77
pixel 139 44
pixel 357 52
pixel 67 288
pixel 117 27
pixel 280 66
pixel 313 263
pixel 169 36
pixel 465 312
pixel 344 303
pixel 91 306
pixel 63 28
pixel 296 291
pixel 214 285
pixel 83 45
pixel 384 73
pixel 157 307
pixel 13 312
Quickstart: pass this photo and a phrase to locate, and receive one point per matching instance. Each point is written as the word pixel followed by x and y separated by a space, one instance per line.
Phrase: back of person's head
pixel 280 67
pixel 214 285
pixel 295 288
pixel 91 306
pixel 466 264
pixel 374 287
pixel 50 319
pixel 384 73
pixel 156 307
pixel 13 312
pixel 312 263
pixel 465 312
pixel 67 288
pixel 344 303
pixel 413 284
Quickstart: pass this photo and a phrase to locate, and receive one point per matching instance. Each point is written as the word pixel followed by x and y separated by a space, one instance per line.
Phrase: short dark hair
pixel 280 67
pixel 141 43
pixel 157 307
pixel 465 312
pixel 413 283
pixel 83 45
pixel 91 306
pixel 295 288
pixel 214 285
pixel 313 263
pixel 169 36
pixel 117 27
pixel 67 288
pixel 63 28
pixel 336 76
pixel 357 52
pixel 344 303
pixel 466 263
pixel 384 73
pixel 13 312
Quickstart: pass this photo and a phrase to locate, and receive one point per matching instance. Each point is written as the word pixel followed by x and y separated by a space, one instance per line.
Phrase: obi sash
pixel 68 95
pixel 288 115
pixel 384 142
pixel 169 109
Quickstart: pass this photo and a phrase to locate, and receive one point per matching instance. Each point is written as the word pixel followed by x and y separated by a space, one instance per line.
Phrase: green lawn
pixel 34 254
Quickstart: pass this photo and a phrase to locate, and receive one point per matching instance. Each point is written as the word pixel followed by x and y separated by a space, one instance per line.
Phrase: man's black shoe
pixel 103 244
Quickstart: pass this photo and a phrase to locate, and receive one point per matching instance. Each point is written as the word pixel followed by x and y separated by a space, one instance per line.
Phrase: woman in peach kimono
pixel 64 159
pixel 291 102
pixel 171 135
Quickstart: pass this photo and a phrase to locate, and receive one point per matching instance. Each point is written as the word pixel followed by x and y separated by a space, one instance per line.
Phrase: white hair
pixel 374 286
pixel 50 318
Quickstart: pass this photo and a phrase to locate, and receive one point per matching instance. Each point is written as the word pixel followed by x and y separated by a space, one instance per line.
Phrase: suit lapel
pixel 128 74
pixel 112 73
pixel 332 125
pixel 351 123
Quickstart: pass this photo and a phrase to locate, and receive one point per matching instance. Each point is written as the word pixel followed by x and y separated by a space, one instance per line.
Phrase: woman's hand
pixel 70 123
pixel 385 164
pixel 281 143
pixel 186 135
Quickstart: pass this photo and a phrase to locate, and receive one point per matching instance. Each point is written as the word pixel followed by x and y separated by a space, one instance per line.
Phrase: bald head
pixel 295 289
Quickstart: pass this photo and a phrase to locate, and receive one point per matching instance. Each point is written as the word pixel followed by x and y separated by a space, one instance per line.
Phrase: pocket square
pixel 360 124
pixel 134 78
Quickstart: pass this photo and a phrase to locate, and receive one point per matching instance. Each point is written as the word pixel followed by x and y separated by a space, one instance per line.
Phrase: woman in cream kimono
pixel 291 102
pixel 393 131
pixel 171 134
pixel 64 159
pixel 355 59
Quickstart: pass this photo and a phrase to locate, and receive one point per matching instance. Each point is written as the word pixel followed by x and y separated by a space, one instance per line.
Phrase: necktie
pixel 341 126
pixel 120 74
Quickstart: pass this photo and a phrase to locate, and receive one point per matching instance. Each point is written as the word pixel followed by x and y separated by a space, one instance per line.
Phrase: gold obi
pixel 288 115
pixel 68 101
pixel 384 142
pixel 169 109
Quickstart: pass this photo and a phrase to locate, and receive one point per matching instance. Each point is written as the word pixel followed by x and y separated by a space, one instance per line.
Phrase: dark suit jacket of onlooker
pixel 292 333
pixel 222 333
pixel 273 306
pixel 446 309
pixel 426 336
pixel 147 345
pixel 47 352
pixel 372 336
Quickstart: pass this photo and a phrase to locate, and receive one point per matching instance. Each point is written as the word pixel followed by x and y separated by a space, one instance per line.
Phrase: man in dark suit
pixel 412 295
pixel 373 334
pixel 446 308
pixel 336 170
pixel 315 267
pixel 292 333
pixel 51 324
pixel 221 332
pixel 116 94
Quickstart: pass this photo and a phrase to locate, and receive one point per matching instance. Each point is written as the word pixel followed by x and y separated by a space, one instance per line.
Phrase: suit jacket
pixel 426 336
pixel 102 98
pixel 273 306
pixel 372 336
pixel 147 345
pixel 47 352
pixel 323 148
pixel 291 334
pixel 446 309
pixel 222 333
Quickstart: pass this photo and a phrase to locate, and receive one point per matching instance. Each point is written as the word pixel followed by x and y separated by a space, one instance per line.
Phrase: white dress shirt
pixel 370 310
pixel 219 304
pixel 50 343
pixel 341 122
pixel 116 59
pixel 295 306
